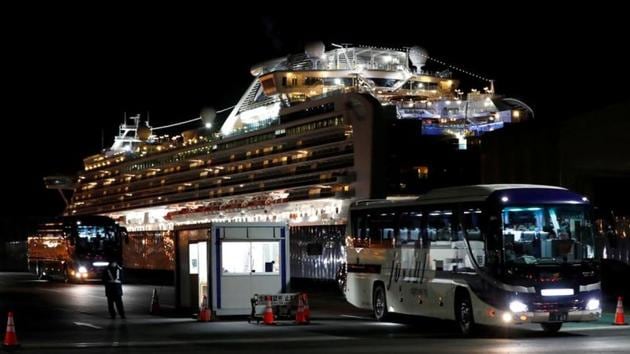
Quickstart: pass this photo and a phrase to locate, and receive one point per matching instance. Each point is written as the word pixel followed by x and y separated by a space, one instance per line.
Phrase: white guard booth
pixel 244 259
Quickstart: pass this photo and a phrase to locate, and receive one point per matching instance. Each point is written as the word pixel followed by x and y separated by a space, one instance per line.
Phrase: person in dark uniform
pixel 113 289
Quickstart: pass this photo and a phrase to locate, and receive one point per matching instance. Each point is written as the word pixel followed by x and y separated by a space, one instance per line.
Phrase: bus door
pixel 446 258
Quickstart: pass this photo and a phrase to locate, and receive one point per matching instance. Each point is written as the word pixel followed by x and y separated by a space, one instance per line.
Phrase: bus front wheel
pixel 551 327
pixel 464 313
pixel 379 303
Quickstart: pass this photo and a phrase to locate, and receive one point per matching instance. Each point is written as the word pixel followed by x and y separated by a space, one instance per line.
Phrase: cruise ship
pixel 313 132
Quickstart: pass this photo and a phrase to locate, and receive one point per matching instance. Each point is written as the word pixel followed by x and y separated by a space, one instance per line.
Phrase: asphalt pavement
pixel 55 318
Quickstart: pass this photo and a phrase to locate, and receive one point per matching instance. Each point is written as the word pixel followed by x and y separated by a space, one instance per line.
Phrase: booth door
pixel 248 268
pixel 198 269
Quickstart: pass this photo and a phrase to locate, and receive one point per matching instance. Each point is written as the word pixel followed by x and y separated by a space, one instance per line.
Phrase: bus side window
pixel 360 229
pixel 410 227
pixel 440 225
pixel 471 223
pixel 381 226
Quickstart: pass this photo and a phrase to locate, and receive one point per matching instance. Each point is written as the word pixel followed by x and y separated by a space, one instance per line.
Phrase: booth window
pixel 254 257
pixel 265 257
pixel 236 257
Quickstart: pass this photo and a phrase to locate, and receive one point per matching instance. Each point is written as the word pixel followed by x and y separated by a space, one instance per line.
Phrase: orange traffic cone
pixel 268 315
pixel 155 303
pixel 10 339
pixel 204 311
pixel 299 315
pixel 619 319
pixel 307 310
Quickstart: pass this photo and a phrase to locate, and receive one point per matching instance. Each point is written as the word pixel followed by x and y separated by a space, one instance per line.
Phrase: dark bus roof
pixel 515 194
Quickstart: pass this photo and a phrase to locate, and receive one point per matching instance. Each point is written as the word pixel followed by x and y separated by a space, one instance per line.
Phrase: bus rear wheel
pixel 464 313
pixel 551 327
pixel 379 303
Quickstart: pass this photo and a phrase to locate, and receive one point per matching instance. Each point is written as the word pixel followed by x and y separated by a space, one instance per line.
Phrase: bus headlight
pixel 517 306
pixel 82 269
pixel 592 304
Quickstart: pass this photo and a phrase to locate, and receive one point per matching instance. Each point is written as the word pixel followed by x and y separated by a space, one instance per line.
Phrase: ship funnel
pixel 314 50
pixel 418 57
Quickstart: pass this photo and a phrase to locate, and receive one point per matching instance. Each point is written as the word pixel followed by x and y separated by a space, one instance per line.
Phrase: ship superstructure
pixel 394 77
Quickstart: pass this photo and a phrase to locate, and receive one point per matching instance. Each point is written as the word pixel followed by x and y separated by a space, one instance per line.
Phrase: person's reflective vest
pixel 113 279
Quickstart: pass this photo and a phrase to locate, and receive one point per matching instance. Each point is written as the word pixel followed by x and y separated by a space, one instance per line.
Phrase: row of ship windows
pixel 221 191
pixel 238 182
pixel 223 173
pixel 206 150
pixel 222 170
pixel 241 142
pixel 235 158
pixel 380 82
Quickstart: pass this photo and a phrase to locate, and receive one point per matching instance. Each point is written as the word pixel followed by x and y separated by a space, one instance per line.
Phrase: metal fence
pixel 618 249
pixel 317 252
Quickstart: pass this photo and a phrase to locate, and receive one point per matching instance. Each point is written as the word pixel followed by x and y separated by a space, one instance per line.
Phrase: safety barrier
pixel 284 306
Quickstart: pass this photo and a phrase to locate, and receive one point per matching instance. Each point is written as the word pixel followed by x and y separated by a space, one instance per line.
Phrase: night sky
pixel 67 78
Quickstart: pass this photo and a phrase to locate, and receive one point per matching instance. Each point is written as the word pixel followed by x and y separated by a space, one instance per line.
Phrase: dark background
pixel 71 74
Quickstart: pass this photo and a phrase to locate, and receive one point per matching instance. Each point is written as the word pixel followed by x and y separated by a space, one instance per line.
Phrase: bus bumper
pixel 541 317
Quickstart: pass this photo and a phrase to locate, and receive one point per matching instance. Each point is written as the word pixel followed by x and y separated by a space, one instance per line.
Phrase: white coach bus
pixel 484 254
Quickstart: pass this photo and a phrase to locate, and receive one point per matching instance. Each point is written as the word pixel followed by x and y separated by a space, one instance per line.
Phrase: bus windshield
pixel 538 234
pixel 96 240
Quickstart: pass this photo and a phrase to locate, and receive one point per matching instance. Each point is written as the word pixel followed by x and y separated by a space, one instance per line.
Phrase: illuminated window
pixel 193 266
pixel 254 257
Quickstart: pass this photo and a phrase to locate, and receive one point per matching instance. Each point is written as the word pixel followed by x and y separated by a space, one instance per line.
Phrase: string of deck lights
pixel 456 68
pixel 191 120
pixel 435 60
